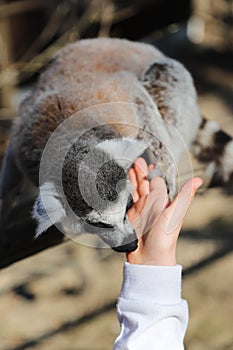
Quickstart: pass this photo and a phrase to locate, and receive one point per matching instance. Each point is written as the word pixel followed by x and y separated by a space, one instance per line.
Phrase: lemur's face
pixel 98 193
pixel 102 211
pixel 111 223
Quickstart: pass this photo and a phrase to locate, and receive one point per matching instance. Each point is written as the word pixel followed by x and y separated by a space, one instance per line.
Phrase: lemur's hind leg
pixel 214 147
pixel 10 181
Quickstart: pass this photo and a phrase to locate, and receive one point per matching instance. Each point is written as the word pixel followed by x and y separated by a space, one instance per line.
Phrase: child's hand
pixel 156 221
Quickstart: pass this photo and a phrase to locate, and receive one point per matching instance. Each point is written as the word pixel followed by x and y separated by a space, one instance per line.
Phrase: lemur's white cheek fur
pixel 47 210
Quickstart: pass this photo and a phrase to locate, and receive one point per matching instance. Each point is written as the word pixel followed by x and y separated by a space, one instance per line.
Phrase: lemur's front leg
pixel 10 181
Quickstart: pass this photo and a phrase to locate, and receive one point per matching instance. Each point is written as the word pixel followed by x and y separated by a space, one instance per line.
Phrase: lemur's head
pixel 95 196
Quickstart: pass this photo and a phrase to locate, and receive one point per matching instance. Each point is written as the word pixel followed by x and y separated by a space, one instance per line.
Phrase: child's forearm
pixel 152 314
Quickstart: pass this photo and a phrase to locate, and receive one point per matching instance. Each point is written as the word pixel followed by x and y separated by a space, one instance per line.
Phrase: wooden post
pixel 7 72
pixel 5 60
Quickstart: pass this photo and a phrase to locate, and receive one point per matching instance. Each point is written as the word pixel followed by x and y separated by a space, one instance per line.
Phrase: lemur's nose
pixel 127 248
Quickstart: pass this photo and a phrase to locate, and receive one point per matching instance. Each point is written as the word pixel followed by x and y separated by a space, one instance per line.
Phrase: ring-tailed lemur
pixel 126 97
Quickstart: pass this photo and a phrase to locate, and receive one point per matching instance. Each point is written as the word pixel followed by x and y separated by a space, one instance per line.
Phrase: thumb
pixel 176 212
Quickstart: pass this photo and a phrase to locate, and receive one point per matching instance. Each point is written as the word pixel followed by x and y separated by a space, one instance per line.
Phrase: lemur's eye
pixel 103 225
pixel 99 224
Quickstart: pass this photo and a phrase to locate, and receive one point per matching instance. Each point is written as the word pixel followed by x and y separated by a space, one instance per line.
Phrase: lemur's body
pixel 101 71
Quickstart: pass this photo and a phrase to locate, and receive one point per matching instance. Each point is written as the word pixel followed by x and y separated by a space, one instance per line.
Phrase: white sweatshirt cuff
pixel 158 284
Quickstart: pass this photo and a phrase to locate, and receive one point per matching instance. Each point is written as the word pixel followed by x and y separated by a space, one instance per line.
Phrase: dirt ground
pixel 64 298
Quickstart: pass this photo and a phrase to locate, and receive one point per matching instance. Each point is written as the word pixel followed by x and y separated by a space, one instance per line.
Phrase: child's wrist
pixel 157 259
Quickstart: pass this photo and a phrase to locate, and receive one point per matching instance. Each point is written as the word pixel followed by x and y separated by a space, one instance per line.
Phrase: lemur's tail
pixel 215 147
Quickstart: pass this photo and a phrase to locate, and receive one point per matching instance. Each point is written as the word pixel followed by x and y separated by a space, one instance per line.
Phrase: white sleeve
pixel 152 314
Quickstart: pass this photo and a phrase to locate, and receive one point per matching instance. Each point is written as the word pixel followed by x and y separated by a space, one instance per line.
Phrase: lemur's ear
pixel 47 209
pixel 124 151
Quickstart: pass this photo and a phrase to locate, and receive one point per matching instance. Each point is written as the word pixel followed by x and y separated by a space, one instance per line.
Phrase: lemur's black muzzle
pixel 127 248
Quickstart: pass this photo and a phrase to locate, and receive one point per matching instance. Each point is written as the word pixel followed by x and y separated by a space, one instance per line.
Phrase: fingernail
pixel 198 182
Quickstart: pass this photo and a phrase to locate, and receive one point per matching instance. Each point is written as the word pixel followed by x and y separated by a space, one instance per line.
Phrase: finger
pixel 158 184
pixel 136 209
pixel 159 188
pixel 133 178
pixel 141 170
pixel 175 213
pixel 157 201
pixel 134 184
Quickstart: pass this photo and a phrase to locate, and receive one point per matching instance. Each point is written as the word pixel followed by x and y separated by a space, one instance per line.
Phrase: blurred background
pixel 64 297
